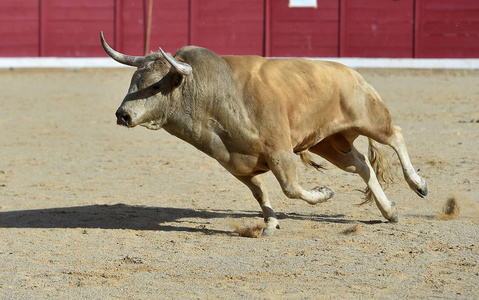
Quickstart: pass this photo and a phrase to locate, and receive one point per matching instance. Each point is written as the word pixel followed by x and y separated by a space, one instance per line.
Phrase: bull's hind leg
pixel 378 127
pixel 256 185
pixel 355 162
pixel 283 166
pixel 416 182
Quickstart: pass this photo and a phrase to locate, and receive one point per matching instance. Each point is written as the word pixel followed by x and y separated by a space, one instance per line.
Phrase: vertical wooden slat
pixel 267 28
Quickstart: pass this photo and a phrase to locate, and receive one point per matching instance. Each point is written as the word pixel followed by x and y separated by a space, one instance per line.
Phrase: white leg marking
pixel 283 166
pixel 415 182
pixel 387 208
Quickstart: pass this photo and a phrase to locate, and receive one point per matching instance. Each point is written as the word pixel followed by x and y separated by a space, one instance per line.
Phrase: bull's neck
pixel 207 123
pixel 194 132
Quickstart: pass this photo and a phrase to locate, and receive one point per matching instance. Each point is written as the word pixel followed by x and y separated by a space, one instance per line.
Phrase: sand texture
pixel 92 210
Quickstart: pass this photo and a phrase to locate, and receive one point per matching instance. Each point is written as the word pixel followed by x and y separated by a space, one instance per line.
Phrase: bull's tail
pixel 382 166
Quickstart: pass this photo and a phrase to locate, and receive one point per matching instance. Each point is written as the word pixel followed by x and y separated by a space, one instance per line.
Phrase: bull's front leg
pixel 256 185
pixel 283 166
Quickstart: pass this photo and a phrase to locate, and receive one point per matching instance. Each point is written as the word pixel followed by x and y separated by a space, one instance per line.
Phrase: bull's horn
pixel 119 57
pixel 181 67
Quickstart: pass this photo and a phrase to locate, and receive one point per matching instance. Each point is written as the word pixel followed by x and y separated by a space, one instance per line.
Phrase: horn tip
pixel 102 38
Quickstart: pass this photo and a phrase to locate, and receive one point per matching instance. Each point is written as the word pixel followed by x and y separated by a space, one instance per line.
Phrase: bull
pixel 253 115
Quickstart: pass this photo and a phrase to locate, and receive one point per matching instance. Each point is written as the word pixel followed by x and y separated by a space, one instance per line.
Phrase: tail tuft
pixel 308 160
pixel 382 166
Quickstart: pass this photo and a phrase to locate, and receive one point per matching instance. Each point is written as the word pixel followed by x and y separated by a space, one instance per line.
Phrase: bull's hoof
pixel 394 217
pixel 323 193
pixel 270 231
pixel 421 189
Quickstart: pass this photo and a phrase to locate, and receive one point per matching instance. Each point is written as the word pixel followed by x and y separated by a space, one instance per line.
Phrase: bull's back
pixel 292 82
pixel 298 95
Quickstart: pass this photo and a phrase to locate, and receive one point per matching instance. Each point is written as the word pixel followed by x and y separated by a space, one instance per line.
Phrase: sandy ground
pixel 92 210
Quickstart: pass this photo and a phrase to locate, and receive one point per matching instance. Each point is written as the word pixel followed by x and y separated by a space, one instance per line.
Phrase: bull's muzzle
pixel 123 118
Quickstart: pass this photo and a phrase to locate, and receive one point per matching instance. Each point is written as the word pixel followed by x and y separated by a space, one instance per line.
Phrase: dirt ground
pixel 89 209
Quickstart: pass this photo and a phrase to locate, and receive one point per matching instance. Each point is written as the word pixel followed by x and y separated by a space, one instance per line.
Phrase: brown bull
pixel 253 115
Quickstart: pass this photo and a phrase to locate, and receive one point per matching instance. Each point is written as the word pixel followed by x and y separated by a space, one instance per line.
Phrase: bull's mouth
pixel 124 123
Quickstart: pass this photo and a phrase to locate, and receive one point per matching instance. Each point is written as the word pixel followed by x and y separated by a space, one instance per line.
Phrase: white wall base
pixel 106 62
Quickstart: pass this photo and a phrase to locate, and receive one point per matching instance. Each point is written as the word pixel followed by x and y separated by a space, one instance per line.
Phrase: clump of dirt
pixel 355 230
pixel 248 230
pixel 451 209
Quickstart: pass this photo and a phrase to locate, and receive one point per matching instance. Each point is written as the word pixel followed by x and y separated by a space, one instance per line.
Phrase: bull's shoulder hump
pixel 234 58
pixel 243 61
pixel 197 55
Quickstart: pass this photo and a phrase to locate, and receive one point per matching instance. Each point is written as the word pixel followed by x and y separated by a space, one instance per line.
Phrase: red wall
pixel 347 28
pixel 310 32
pixel 169 25
pixel 446 28
pixel 228 27
pixel 70 28
pixel 127 33
pixel 19 23
pixel 372 30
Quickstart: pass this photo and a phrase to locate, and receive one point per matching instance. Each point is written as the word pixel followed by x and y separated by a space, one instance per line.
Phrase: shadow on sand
pixel 122 216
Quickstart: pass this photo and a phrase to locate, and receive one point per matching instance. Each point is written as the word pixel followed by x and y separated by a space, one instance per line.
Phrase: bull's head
pixel 149 97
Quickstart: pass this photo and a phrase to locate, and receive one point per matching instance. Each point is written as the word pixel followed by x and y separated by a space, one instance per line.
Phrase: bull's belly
pixel 306 143
pixel 303 139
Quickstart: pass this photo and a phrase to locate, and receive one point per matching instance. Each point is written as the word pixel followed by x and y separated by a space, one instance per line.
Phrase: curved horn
pixel 119 57
pixel 181 67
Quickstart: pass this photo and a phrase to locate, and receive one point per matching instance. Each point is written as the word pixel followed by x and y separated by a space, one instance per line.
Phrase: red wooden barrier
pixel 19 23
pixel 302 31
pixel 347 28
pixel 228 27
pixel 169 25
pixel 71 28
pixel 377 28
pixel 447 28
pixel 129 27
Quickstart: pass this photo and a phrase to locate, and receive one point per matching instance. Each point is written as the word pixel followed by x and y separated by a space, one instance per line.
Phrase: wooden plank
pixel 228 27
pixel 19 28
pixel 376 28
pixel 311 32
pixel 170 25
pixel 130 27
pixel 448 29
pixel 71 28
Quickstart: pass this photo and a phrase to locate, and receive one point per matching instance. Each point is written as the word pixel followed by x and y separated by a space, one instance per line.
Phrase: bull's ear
pixel 181 67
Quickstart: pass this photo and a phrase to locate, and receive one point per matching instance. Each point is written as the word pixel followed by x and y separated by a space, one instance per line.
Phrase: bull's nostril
pixel 122 117
pixel 126 118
